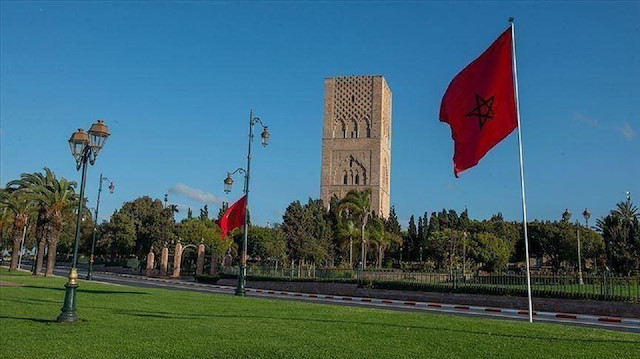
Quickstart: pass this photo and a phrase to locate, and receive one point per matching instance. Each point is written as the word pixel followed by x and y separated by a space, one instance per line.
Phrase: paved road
pixel 176 284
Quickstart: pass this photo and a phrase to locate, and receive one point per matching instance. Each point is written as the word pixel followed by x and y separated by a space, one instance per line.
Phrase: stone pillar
pixel 214 262
pixel 200 261
pixel 164 260
pixel 151 257
pixel 177 258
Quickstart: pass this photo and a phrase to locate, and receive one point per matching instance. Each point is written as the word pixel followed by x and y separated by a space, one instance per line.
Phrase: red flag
pixel 479 104
pixel 233 217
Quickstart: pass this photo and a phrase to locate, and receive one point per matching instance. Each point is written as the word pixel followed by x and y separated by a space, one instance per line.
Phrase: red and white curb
pixel 409 304
pixel 456 307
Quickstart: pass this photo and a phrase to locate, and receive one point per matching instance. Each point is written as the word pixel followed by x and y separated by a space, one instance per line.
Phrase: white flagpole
pixel 524 205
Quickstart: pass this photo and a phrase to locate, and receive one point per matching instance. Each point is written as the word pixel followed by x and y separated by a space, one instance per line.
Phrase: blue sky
pixel 175 82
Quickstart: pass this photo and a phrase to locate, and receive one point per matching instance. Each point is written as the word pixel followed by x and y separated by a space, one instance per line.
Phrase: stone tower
pixel 356 139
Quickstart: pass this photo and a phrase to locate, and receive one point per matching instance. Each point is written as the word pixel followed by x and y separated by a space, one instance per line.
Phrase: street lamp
pixel 84 148
pixel 566 216
pixel 228 183
pixel 95 224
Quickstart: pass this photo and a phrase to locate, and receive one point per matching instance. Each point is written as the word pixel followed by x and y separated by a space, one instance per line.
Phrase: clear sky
pixel 175 81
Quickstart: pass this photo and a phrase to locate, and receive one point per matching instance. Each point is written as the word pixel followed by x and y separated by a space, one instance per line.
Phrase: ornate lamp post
pixel 95 224
pixel 228 183
pixel 84 148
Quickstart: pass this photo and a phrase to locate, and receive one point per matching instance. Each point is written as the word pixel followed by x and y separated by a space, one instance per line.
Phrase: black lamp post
pixel 228 183
pixel 95 224
pixel 84 148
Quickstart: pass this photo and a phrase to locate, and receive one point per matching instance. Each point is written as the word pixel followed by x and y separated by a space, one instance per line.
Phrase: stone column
pixel 151 257
pixel 200 261
pixel 164 260
pixel 177 258
pixel 214 261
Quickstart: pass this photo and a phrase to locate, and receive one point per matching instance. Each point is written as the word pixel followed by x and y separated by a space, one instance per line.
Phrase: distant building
pixel 356 139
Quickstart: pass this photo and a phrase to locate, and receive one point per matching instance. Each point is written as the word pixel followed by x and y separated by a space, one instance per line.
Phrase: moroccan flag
pixel 479 104
pixel 233 217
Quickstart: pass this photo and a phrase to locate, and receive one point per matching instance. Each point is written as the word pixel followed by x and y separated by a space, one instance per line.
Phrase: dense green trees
pixel 42 206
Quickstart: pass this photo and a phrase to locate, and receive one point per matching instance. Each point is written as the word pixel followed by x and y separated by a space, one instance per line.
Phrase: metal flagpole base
pixel 241 281
pixel 68 310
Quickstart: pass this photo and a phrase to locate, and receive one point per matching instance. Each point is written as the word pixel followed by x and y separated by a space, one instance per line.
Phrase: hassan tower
pixel 356 139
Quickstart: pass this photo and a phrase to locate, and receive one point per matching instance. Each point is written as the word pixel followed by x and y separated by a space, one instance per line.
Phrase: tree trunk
pixel 53 236
pixel 51 258
pixel 39 257
pixel 42 228
pixel 17 238
pixel 350 251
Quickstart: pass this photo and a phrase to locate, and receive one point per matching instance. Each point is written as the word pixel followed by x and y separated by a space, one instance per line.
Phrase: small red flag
pixel 479 104
pixel 233 217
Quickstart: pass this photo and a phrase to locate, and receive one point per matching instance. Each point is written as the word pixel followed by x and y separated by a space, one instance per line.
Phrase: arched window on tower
pixel 354 133
pixel 357 179
pixel 344 181
pixel 344 130
pixel 368 130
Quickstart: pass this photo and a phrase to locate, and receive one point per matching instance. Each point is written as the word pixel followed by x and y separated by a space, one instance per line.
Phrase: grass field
pixel 128 322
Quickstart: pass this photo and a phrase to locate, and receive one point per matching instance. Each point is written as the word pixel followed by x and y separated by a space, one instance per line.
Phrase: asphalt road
pixel 177 284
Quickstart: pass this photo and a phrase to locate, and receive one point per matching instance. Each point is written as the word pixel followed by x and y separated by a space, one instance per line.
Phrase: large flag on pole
pixel 479 104
pixel 233 217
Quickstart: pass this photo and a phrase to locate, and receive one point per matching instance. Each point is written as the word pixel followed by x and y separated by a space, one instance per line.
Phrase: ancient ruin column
pixel 164 260
pixel 200 261
pixel 151 257
pixel 177 258
pixel 214 261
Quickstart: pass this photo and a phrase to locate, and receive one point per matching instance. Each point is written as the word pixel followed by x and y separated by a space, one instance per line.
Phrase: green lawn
pixel 129 322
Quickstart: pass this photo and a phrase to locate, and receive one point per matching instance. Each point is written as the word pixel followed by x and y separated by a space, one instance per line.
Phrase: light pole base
pixel 242 278
pixel 90 270
pixel 68 310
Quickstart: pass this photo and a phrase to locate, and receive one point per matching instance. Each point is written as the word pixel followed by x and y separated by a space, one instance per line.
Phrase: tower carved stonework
pixel 356 139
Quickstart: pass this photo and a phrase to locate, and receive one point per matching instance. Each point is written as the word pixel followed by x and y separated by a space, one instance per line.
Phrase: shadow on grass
pixel 37 320
pixel 172 316
pixel 83 290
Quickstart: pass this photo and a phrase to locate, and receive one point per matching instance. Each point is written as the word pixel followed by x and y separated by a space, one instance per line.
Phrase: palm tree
pixel 617 230
pixel 54 197
pixel 5 224
pixel 19 205
pixel 348 229
pixel 383 239
pixel 27 182
pixel 357 205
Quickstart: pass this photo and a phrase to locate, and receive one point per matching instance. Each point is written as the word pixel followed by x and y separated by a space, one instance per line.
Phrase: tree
pixel 357 205
pixel 392 224
pixel 412 238
pixel 189 213
pixel 55 196
pixel 266 244
pixel 204 212
pixel 307 232
pixel 195 230
pixel 154 227
pixel 621 231
pixel 19 206
pixel 119 235
pixel 347 231
pixel 489 251
pixel 383 239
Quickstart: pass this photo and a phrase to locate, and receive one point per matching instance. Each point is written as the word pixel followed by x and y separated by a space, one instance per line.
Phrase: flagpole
pixel 524 205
